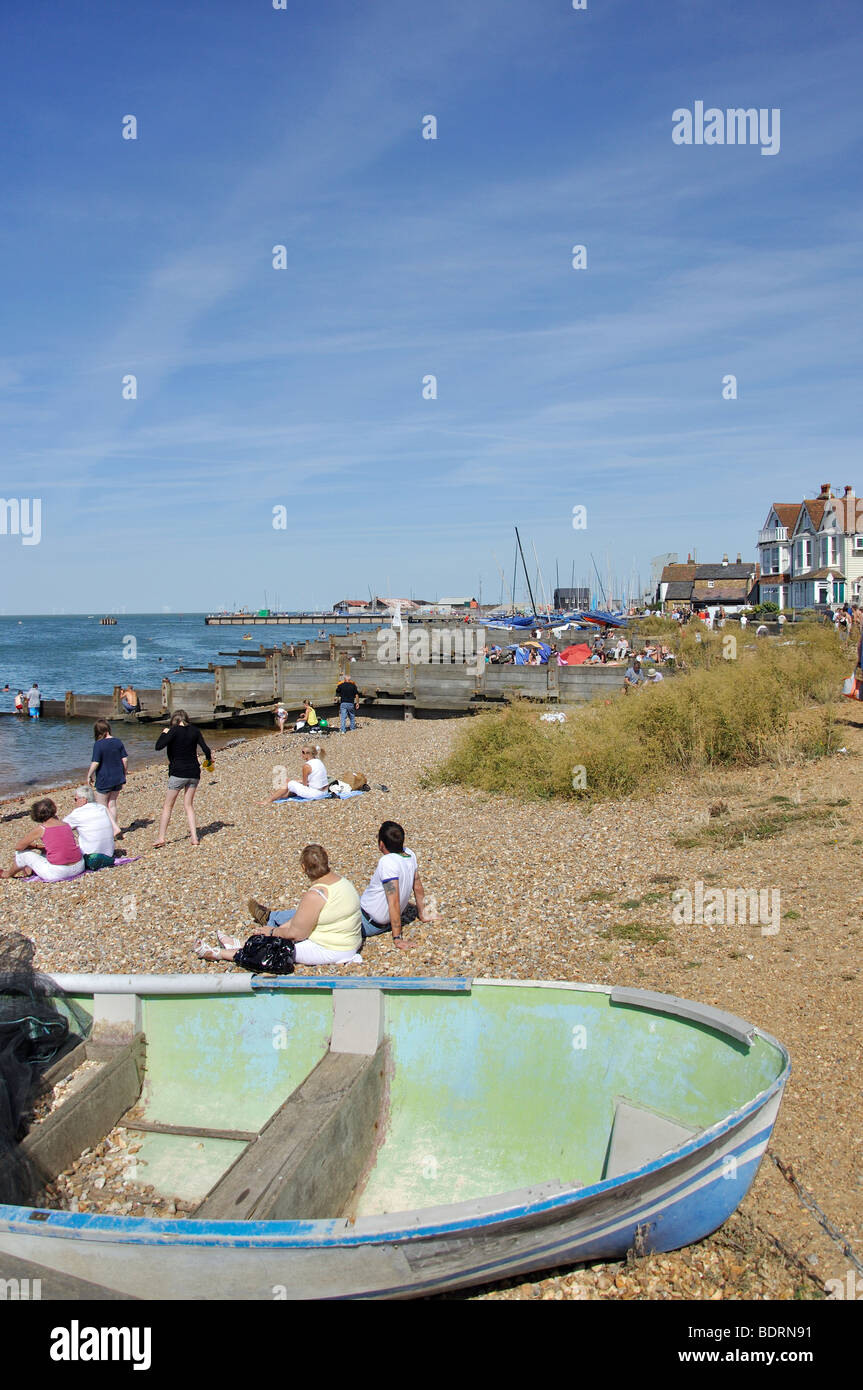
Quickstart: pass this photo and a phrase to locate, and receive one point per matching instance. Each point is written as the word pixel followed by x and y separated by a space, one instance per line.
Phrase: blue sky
pixel 303 387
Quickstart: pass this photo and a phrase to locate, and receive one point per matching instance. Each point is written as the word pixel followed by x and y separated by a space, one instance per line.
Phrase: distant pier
pixel 294 619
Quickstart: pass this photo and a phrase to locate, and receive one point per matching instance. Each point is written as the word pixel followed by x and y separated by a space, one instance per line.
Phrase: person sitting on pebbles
pixel 61 859
pixel 324 929
pixel 308 719
pixel 315 779
pixel 386 902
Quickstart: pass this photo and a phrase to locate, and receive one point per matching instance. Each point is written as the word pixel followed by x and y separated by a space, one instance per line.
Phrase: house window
pixel 804 552
pixel 710 583
pixel 858 544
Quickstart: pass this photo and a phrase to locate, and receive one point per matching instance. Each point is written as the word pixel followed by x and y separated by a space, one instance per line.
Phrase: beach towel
pixel 306 801
pixel 56 884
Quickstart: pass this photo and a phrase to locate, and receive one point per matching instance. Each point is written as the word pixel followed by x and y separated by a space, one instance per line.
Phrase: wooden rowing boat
pixel 390 1138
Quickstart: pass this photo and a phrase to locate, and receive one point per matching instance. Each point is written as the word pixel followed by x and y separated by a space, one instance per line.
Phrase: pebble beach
pixel 537 890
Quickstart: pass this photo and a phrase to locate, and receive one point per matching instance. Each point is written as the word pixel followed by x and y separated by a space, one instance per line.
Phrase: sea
pixel 74 652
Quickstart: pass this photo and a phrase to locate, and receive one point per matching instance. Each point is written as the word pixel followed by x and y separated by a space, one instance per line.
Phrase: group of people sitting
pixel 331 922
pixel 636 675
pixel 51 851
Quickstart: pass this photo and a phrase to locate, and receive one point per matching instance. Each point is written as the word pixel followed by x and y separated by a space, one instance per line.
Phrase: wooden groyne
pixel 449 678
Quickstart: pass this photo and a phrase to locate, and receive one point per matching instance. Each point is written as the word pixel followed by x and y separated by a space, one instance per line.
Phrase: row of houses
pixel 810 555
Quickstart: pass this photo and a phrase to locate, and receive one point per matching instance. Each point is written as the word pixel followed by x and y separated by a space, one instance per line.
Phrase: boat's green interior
pixel 490 1090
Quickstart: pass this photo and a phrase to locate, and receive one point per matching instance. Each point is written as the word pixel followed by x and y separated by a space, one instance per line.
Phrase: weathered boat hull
pixel 678 1197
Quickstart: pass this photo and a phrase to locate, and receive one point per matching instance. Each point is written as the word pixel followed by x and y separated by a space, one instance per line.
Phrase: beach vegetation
pixel 771 705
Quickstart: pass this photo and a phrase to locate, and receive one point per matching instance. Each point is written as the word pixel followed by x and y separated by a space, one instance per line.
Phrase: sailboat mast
pixel 526 575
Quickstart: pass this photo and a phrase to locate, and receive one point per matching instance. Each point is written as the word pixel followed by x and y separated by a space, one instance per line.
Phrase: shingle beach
pixel 536 890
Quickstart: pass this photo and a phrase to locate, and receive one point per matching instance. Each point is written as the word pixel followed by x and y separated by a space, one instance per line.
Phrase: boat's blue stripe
pixel 425 984
pixel 322 1235
pixel 567 1246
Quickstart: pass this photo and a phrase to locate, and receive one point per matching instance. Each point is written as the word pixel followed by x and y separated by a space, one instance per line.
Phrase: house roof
pixel 724 571
pixel 815 507
pixel 787 513
pixel 828 572
pixel 679 573
pixel 721 590
pixel 679 589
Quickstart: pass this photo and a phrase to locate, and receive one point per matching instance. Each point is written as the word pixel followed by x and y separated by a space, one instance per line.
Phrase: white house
pixel 811 552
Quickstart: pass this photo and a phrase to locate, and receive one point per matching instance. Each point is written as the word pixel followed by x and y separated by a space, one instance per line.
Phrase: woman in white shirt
pixel 315 778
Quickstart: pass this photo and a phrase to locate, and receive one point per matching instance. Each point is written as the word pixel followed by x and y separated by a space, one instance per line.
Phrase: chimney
pixel 739 561
pixel 689 559
pixel 725 559
pixel 849 491
pixel 825 492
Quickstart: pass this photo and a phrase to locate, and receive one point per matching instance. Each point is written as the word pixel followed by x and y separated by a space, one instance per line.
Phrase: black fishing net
pixel 38 1024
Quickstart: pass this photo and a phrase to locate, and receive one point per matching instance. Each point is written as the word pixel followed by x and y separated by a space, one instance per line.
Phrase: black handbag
pixel 268 955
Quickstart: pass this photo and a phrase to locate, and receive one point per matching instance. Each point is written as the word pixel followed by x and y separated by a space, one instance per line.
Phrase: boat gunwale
pixel 449 1219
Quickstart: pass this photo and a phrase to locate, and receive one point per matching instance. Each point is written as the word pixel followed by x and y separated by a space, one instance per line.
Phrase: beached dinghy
pixel 388 1138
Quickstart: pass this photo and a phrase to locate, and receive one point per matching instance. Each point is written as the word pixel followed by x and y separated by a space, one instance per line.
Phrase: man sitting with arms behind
pixel 384 904
pixel 95 832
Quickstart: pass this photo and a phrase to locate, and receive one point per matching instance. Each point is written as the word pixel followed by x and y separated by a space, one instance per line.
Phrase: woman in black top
pixel 181 740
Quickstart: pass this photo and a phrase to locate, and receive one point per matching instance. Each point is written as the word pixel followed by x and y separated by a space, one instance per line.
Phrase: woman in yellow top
pixel 308 720
pixel 325 928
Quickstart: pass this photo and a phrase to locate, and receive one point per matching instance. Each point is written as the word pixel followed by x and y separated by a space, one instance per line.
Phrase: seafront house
pixel 693 586
pixel 811 552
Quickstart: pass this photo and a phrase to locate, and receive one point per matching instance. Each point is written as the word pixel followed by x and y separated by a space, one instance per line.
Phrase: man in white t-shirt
pixel 93 824
pixel 384 904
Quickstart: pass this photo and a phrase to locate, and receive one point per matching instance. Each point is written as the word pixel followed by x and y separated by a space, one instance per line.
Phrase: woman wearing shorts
pixel 61 858
pixel 181 741
pixel 110 761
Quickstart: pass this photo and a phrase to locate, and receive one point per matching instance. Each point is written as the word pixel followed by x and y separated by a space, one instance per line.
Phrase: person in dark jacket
pixel 181 741
pixel 108 771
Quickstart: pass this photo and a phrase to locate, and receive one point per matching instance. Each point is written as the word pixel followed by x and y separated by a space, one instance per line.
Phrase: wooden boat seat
pixel 309 1157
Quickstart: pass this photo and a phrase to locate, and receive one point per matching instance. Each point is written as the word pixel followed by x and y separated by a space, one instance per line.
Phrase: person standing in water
pixel 108 771
pixel 181 740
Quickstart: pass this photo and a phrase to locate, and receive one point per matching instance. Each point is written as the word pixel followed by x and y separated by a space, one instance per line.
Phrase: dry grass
pixel 768 706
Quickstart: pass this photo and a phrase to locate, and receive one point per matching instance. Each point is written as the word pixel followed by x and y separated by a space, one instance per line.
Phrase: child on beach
pixel 61 859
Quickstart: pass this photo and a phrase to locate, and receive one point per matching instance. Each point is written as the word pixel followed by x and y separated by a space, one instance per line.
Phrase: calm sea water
pixel 77 653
